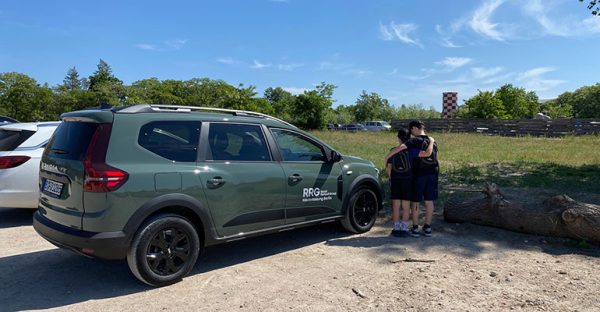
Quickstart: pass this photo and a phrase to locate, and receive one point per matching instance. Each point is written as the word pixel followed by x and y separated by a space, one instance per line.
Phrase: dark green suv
pixel 156 183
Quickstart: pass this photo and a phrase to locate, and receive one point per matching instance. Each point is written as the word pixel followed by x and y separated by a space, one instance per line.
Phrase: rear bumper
pixel 106 245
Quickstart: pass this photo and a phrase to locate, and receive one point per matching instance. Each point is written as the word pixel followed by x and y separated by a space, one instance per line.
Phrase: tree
pixel 23 99
pixel 369 106
pixel 310 108
pixel 341 115
pixel 585 101
pixel 72 81
pixel 593 6
pixel 483 105
pixel 282 102
pixel 517 102
pixel 106 87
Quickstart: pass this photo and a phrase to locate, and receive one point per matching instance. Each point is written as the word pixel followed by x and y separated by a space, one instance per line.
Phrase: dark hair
pixel 416 123
pixel 403 135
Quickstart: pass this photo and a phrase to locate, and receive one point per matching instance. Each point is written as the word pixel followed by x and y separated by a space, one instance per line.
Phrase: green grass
pixel 564 164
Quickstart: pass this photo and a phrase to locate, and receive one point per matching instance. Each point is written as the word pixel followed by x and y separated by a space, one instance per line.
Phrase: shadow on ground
pixel 13 217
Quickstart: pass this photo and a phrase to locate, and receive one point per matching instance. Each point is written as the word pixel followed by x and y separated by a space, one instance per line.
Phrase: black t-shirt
pixel 401 165
pixel 425 165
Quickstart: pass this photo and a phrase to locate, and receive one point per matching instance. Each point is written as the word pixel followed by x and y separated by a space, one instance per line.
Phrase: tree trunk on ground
pixel 558 216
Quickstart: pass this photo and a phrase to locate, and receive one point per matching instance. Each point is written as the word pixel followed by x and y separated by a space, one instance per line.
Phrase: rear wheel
pixel 164 250
pixel 361 212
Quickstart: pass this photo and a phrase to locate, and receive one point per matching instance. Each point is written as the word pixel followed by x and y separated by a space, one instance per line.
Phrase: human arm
pixel 393 152
pixel 429 150
pixel 388 169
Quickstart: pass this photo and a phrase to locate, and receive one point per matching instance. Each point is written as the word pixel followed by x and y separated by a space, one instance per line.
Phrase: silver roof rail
pixel 146 108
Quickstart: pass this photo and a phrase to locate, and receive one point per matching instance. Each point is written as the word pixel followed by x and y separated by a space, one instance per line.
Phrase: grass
pixel 567 164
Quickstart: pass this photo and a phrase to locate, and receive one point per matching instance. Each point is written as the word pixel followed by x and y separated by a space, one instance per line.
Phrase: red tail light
pixel 99 176
pixel 7 162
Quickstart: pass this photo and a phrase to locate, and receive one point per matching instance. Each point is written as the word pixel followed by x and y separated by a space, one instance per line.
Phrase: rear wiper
pixel 58 151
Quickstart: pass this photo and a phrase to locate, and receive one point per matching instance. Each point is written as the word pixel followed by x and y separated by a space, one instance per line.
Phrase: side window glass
pixel 173 140
pixel 295 147
pixel 237 142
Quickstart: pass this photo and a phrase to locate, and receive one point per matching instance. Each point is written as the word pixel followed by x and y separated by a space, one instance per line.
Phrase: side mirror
pixel 335 157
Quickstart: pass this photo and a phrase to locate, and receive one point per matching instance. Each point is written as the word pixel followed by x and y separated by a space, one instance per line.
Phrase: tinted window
pixel 296 147
pixel 9 140
pixel 173 140
pixel 71 139
pixel 237 142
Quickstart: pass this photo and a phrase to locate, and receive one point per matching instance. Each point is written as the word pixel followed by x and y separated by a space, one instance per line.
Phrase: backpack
pixel 431 162
pixel 401 163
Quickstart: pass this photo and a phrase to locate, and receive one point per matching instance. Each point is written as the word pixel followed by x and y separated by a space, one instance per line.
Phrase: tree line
pixel 509 101
pixel 23 98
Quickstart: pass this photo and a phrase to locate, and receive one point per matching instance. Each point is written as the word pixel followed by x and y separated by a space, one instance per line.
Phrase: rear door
pixel 244 187
pixel 311 181
pixel 62 173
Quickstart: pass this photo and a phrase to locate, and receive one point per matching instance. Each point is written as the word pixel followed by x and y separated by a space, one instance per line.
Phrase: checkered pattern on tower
pixel 449 104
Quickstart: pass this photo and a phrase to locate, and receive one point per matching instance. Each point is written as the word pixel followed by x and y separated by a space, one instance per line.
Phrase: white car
pixel 378 126
pixel 21 147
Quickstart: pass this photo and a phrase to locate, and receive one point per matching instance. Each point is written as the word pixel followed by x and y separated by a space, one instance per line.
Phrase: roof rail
pixel 148 108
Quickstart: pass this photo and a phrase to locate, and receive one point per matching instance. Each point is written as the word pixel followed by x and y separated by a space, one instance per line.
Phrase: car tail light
pixel 7 162
pixel 99 176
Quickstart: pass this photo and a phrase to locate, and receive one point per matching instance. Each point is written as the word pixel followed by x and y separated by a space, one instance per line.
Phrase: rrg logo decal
pixel 316 194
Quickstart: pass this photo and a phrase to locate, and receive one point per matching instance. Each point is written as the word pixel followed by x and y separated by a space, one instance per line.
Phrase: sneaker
pixel 403 233
pixel 414 232
pixel 427 231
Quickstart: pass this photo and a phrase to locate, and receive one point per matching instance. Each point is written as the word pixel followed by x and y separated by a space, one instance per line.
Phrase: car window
pixel 71 139
pixel 173 140
pixel 237 142
pixel 9 140
pixel 296 147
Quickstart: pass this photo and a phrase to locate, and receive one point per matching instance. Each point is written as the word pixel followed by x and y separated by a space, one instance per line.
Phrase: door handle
pixel 295 178
pixel 215 182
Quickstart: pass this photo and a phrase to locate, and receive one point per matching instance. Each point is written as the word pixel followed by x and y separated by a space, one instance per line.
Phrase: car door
pixel 244 187
pixel 312 181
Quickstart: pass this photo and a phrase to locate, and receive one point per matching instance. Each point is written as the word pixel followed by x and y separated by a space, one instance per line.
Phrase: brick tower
pixel 449 104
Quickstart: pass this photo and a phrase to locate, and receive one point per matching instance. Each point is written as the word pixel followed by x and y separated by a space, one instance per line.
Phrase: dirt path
pixel 315 269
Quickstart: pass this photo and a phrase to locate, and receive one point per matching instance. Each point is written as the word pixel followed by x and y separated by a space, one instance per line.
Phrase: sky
pixel 407 51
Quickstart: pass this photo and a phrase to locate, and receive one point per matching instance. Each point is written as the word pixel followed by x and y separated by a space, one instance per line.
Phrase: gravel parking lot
pixel 315 269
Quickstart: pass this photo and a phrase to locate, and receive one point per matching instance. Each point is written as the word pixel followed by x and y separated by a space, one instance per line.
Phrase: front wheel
pixel 164 250
pixel 361 211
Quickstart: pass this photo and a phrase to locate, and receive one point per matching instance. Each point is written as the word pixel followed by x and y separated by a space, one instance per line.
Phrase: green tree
pixel 517 102
pixel 105 87
pixel 585 101
pixel 153 91
pixel 311 107
pixel 369 106
pixel 483 105
pixel 416 111
pixel 282 102
pixel 72 82
pixel 341 115
pixel 23 99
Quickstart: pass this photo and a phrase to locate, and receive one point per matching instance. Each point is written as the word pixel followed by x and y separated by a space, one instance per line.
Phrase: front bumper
pixel 106 245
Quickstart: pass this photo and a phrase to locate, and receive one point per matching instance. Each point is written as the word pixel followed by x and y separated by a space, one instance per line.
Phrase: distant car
pixel 21 147
pixel 332 126
pixel 354 127
pixel 378 126
pixel 5 120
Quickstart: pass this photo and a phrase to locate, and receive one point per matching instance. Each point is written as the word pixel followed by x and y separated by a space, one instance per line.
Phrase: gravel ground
pixel 319 268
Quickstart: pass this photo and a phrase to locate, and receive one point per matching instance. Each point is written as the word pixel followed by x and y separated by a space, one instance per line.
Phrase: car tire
pixel 164 250
pixel 361 211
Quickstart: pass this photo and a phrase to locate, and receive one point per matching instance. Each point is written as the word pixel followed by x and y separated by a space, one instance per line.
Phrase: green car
pixel 156 183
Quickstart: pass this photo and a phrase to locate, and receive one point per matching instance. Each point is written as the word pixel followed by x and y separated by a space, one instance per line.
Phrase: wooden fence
pixel 510 127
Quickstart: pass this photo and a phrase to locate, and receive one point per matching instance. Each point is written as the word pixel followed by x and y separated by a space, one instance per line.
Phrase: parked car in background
pixel 155 184
pixel 378 126
pixel 21 147
pixel 5 120
pixel 354 127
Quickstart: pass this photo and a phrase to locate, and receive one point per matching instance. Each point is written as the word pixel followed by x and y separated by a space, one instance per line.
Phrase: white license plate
pixel 53 187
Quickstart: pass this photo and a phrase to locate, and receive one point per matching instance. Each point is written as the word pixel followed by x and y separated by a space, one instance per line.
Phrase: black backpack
pixel 431 162
pixel 401 163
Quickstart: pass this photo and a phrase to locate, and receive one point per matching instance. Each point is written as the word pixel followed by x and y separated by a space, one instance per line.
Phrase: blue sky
pixel 407 51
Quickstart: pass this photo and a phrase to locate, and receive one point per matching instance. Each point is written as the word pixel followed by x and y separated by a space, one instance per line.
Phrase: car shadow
pixel 56 278
pixel 14 217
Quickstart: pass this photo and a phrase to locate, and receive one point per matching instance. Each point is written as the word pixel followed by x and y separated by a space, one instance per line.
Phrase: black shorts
pixel 401 189
pixel 425 188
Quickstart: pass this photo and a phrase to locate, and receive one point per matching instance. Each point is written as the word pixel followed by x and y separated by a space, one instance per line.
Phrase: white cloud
pixel 533 80
pixel 169 45
pixel 146 46
pixel 295 90
pixel 227 60
pixel 393 72
pixel 481 73
pixel 452 63
pixel 401 32
pixel 449 44
pixel 289 67
pixel 481 22
pixel 259 65
pixel 565 26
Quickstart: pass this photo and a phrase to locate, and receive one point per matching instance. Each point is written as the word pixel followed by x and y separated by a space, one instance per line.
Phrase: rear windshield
pixel 9 140
pixel 70 140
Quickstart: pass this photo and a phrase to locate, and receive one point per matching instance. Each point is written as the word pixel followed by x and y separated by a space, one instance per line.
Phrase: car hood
pixel 354 159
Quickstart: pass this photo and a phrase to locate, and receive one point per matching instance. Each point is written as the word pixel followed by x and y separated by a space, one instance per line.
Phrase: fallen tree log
pixel 558 216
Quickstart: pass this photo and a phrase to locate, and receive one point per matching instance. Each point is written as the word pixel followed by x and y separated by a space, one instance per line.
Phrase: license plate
pixel 52 187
